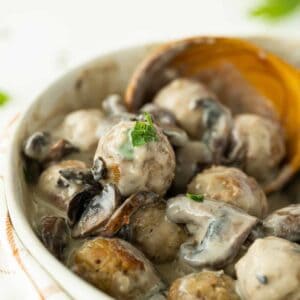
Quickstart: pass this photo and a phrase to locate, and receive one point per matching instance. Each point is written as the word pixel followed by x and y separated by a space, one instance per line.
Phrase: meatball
pixel 197 111
pixel 261 143
pixel 270 270
pixel 232 186
pixel 117 268
pixel 53 187
pixel 148 167
pixel 151 229
pixel 203 285
pixel 81 128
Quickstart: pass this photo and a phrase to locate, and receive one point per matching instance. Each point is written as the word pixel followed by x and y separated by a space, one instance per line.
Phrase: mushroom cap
pixel 264 144
pixel 232 186
pixel 150 167
pixel 203 285
pixel 81 128
pixel 117 268
pixel 270 270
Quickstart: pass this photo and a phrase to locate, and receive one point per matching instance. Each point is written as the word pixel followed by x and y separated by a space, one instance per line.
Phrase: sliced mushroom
pixel 43 148
pixel 284 223
pixel 117 268
pixel 99 169
pixel 68 186
pixel 204 285
pixel 270 270
pixel 54 234
pixel 160 115
pixel 97 212
pixel 121 216
pixel 218 230
pixel 177 137
pixel 190 158
pixel 232 186
pixel 114 105
pixel 37 146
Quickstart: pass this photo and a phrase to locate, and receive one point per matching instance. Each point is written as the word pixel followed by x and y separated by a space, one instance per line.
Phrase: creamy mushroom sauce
pixel 162 205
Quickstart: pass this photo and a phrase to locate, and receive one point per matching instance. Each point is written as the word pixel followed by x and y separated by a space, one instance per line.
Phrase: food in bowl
pixel 169 199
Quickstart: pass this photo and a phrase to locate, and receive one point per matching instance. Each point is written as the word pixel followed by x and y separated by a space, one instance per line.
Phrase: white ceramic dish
pixel 83 87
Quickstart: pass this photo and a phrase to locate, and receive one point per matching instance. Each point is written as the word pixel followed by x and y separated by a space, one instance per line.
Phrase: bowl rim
pixel 63 276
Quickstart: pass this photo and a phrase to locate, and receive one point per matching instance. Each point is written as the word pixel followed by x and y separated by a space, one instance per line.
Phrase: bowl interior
pixel 84 87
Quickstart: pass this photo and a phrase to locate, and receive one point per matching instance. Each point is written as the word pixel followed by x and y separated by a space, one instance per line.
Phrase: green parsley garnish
pixel 275 9
pixel 195 197
pixel 143 132
pixel 4 98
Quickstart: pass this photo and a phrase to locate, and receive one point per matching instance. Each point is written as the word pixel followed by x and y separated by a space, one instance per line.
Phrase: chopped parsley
pixel 143 132
pixel 195 197
pixel 4 98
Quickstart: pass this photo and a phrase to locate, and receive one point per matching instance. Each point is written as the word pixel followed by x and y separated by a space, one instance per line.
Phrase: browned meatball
pixel 198 112
pixel 232 186
pixel 270 270
pixel 80 128
pixel 205 285
pixel 117 268
pixel 155 234
pixel 260 144
pixel 149 167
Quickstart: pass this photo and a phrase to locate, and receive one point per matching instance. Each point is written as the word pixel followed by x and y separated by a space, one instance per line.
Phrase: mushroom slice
pixel 191 157
pixel 40 146
pixel 114 105
pixel 37 145
pixel 117 268
pixel 67 184
pixel 160 115
pixel 121 216
pixel 218 230
pixel 177 137
pixel 97 211
pixel 284 223
pixel 203 285
pixel 54 235
pixel 59 149
pixel 99 169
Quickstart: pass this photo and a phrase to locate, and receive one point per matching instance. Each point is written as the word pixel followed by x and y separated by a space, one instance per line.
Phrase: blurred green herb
pixel 4 98
pixel 143 132
pixel 195 197
pixel 274 10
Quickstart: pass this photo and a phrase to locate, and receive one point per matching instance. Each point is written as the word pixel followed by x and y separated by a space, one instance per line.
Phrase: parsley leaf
pixel 275 9
pixel 143 132
pixel 4 98
pixel 195 197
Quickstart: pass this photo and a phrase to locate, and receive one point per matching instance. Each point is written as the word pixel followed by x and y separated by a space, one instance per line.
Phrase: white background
pixel 40 40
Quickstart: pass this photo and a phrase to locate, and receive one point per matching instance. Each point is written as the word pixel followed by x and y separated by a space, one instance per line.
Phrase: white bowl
pixel 85 86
